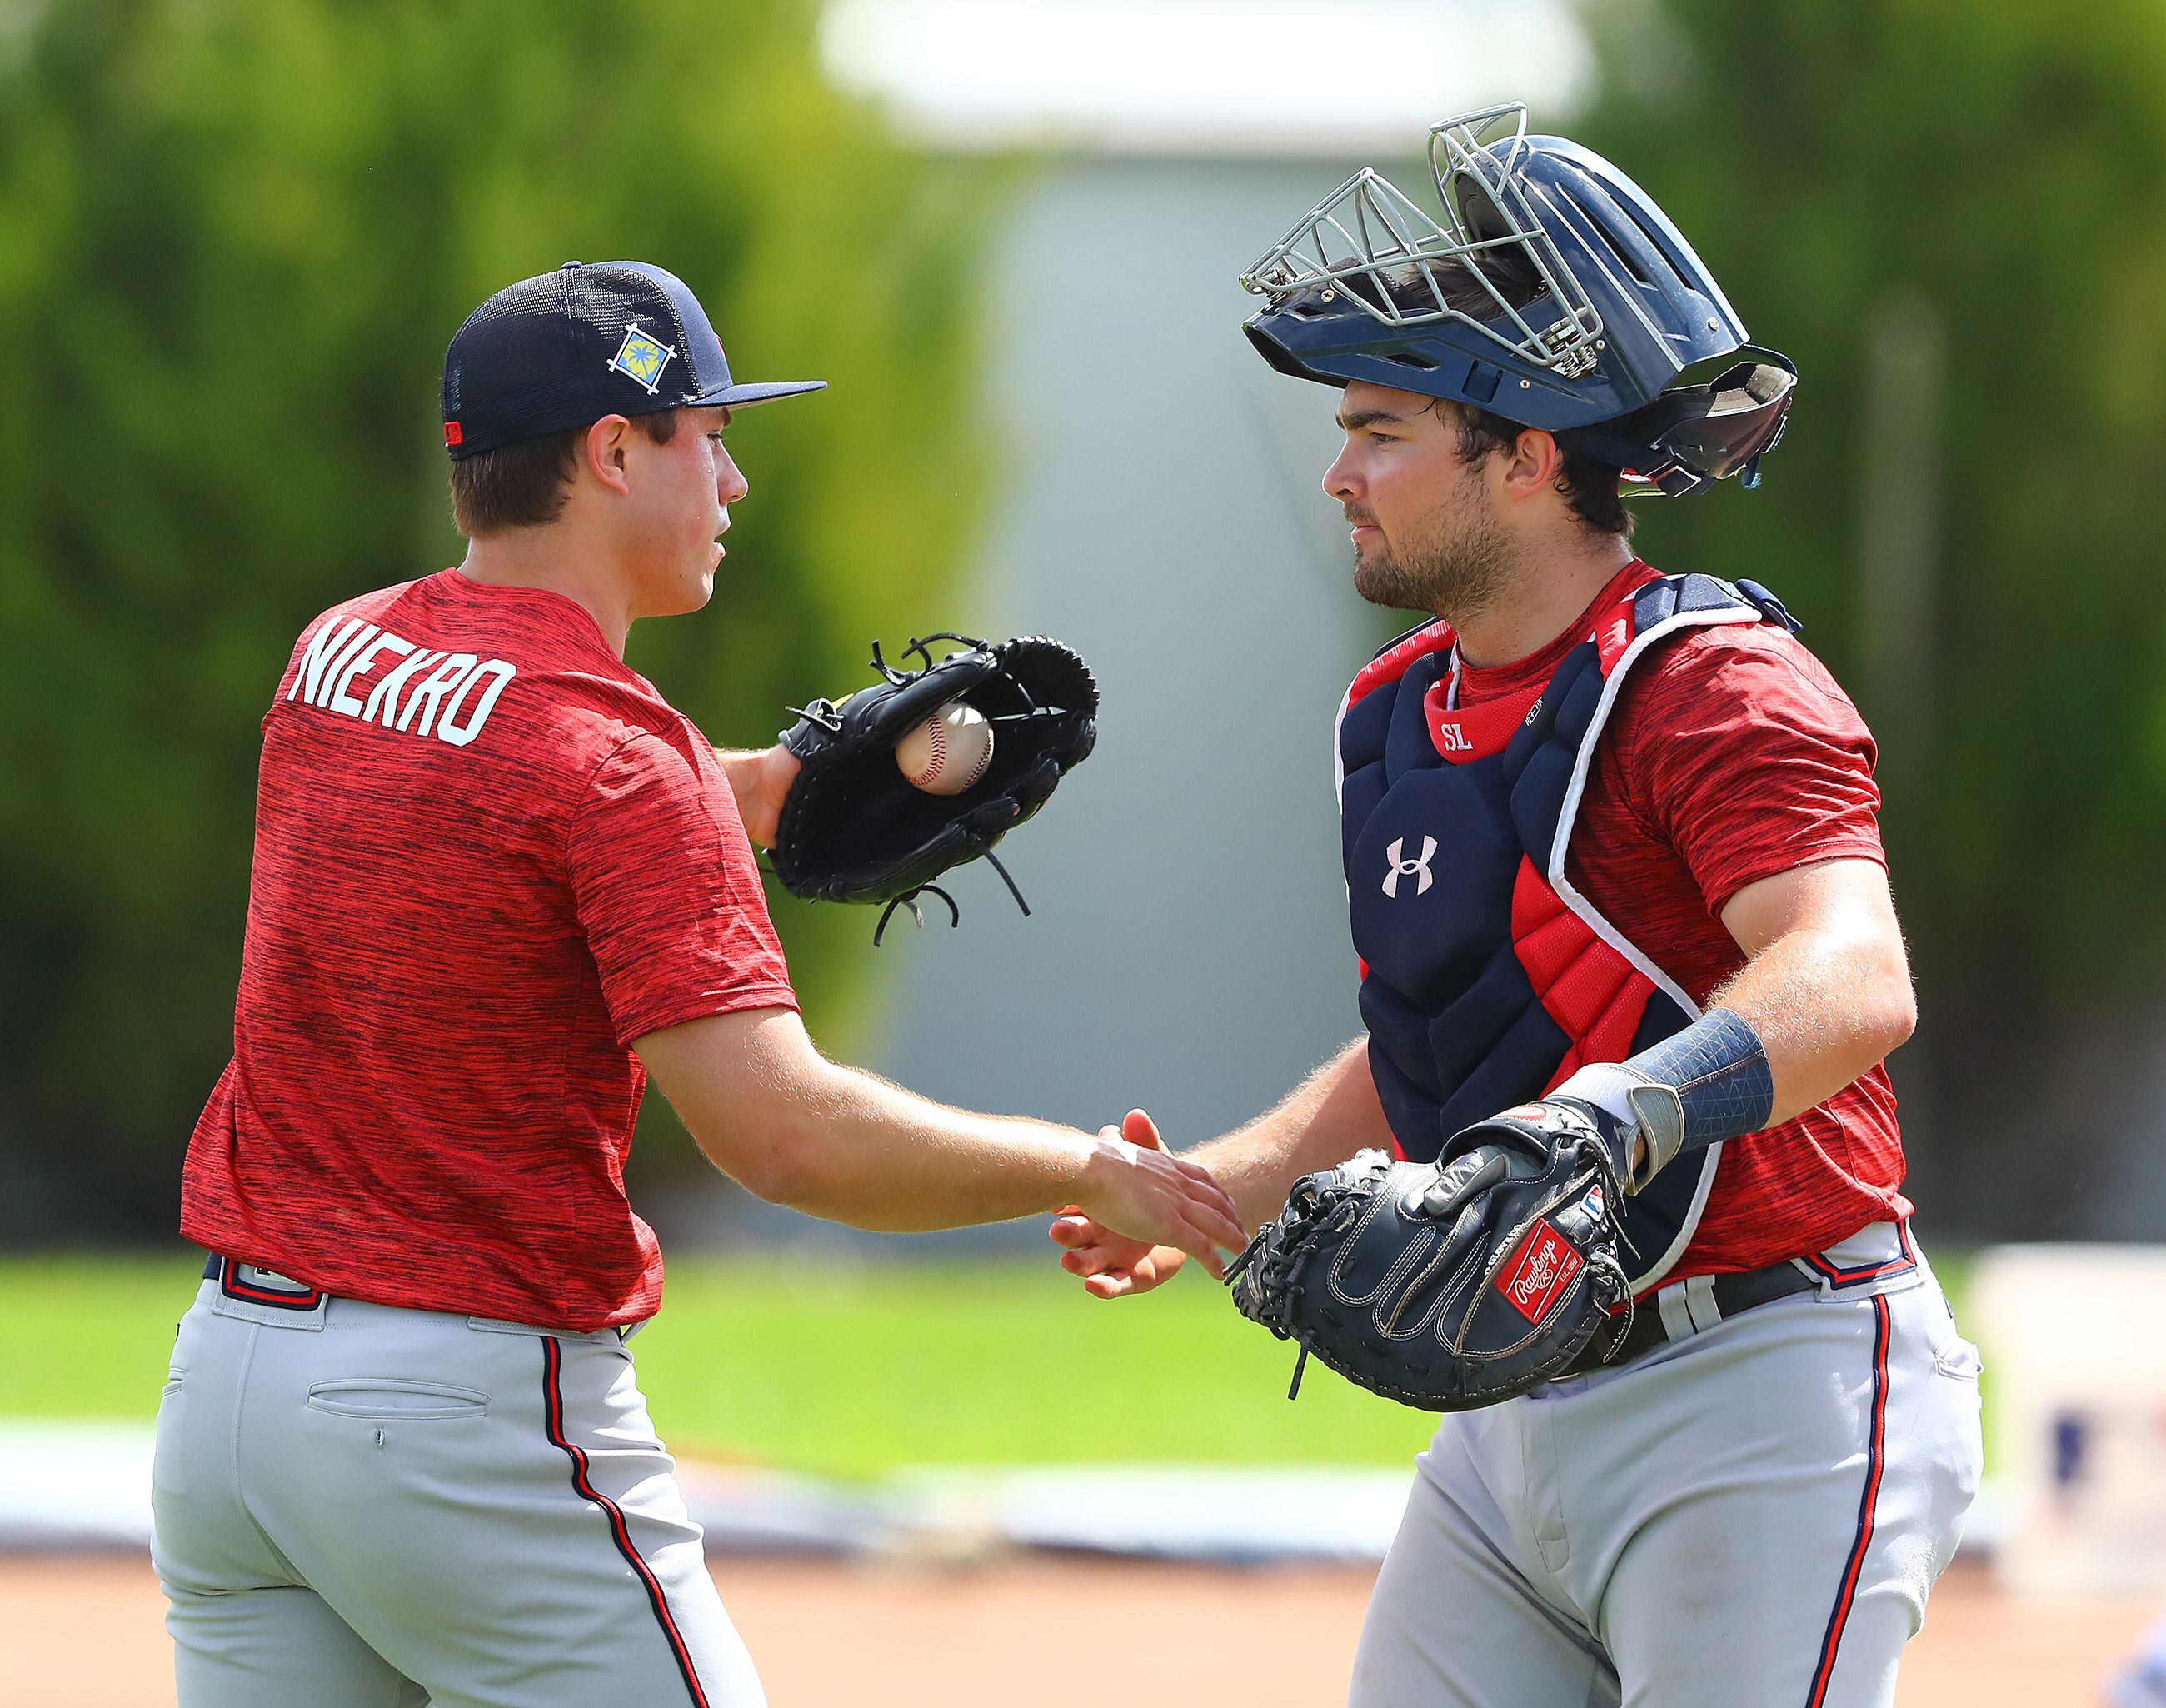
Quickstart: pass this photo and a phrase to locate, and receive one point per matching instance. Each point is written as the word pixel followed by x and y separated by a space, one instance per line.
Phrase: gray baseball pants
pixel 363 1507
pixel 1749 1516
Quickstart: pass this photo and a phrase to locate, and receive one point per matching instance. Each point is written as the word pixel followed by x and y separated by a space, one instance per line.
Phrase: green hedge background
pixel 235 235
pixel 234 239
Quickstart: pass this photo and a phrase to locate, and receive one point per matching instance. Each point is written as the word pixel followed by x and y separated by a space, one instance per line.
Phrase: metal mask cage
pixel 1372 242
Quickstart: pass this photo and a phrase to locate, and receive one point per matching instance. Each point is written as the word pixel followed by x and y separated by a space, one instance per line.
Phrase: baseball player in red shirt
pixel 402 1454
pixel 1609 836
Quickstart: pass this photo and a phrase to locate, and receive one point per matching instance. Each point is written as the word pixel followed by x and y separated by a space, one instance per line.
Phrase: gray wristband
pixel 1720 1074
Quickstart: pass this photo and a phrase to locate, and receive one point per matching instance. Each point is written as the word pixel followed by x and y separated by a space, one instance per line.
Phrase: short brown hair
pixel 523 485
pixel 1589 488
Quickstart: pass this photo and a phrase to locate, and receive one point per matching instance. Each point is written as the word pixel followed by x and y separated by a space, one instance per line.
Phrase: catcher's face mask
pixel 1547 286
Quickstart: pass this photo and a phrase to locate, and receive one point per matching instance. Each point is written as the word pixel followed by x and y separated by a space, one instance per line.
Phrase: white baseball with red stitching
pixel 949 752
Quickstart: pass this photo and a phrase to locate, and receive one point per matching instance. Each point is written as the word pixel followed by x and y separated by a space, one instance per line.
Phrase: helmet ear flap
pixel 1744 412
pixel 1693 436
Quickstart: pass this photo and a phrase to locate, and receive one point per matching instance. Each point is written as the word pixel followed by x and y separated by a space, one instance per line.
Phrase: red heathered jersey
pixel 487 856
pixel 1731 756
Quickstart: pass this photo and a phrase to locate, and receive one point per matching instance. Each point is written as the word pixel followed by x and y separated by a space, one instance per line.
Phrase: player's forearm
pixel 1813 1009
pixel 854 1148
pixel 792 1127
pixel 1324 1120
pixel 759 777
pixel 743 767
pixel 1828 1004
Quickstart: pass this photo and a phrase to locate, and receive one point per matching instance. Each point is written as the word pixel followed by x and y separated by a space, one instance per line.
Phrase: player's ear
pixel 603 453
pixel 1536 462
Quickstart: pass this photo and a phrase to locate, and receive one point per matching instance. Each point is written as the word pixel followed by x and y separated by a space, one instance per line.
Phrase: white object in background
pixel 949 752
pixel 68 1485
pixel 2075 1384
pixel 1216 1514
pixel 1202 77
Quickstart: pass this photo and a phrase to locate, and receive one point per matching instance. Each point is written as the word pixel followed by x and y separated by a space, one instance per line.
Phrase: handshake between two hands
pixel 1115 1266
pixel 1153 1210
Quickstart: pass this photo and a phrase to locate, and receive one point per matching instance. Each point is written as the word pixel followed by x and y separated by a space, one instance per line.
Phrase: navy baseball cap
pixel 552 353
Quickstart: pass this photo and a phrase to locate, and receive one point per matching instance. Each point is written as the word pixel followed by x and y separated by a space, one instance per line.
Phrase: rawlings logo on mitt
pixel 855 829
pixel 1453 1285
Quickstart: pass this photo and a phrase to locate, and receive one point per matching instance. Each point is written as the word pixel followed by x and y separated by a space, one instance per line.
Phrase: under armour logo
pixel 1401 867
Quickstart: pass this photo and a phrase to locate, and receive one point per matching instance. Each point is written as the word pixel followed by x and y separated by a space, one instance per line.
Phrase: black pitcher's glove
pixel 1457 1284
pixel 853 828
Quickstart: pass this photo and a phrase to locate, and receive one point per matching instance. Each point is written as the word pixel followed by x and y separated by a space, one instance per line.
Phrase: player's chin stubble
pixel 1453 574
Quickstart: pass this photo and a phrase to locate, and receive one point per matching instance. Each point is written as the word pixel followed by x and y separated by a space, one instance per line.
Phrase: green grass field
pixel 849 1371
pixel 852 1371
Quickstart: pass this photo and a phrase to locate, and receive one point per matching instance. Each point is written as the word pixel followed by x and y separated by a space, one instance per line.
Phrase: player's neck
pixel 1545 595
pixel 556 560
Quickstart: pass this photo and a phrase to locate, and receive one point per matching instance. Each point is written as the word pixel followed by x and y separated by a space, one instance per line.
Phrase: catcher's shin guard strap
pixel 1719 1072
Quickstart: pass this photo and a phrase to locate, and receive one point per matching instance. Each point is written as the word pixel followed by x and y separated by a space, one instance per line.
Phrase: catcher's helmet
pixel 1554 292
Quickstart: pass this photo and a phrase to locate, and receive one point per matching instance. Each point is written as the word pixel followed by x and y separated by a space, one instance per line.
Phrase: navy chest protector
pixel 1487 978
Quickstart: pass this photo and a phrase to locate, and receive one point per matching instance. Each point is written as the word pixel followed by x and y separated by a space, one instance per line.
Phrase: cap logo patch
pixel 1538 1272
pixel 642 358
pixel 453 433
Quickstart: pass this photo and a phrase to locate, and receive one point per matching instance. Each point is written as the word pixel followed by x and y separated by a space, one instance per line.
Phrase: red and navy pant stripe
pixel 553 1401
pixel 1876 1459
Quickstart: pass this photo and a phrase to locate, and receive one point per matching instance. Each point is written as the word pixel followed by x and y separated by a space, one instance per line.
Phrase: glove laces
pixel 908 899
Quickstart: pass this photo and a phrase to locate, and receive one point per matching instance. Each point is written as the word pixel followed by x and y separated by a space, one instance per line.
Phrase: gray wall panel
pixel 1161 510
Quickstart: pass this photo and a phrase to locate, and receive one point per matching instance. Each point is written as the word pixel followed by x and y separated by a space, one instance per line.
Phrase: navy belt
pixel 1731 1294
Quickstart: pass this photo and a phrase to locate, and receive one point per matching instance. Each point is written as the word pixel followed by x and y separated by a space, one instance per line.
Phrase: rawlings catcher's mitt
pixel 855 829
pixel 1451 1285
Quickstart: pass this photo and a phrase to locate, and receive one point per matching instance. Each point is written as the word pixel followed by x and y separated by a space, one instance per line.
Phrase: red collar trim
pixel 1475 731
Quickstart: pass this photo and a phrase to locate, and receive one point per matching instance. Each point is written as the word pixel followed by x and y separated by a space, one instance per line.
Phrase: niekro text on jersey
pixel 446 694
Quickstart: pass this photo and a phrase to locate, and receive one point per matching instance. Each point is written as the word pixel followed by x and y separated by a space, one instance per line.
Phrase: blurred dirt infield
pixel 86 1633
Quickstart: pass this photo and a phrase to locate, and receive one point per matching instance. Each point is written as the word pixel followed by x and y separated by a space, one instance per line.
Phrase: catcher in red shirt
pixel 1615 879
pixel 499 882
